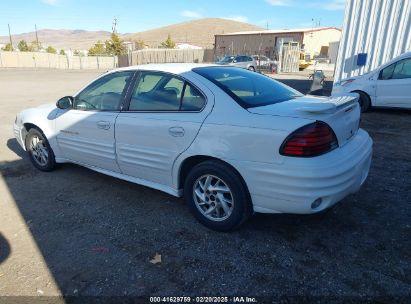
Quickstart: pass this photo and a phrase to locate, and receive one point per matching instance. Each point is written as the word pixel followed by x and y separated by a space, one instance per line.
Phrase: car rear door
pixel 85 132
pixel 162 119
pixel 393 85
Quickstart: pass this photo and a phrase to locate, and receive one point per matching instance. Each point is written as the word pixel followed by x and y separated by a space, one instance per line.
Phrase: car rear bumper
pixel 293 186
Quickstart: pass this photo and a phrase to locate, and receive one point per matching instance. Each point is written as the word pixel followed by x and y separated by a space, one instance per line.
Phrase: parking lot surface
pixel 77 232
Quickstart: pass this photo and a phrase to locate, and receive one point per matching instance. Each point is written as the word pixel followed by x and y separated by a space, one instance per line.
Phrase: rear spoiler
pixel 332 104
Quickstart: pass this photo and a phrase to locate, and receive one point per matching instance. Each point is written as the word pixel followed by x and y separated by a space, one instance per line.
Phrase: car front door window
pixel 105 94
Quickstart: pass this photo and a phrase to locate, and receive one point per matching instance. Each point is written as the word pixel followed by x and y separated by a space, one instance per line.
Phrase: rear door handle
pixel 105 125
pixel 176 131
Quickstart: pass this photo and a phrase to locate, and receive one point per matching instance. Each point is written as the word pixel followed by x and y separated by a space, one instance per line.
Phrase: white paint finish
pixel 383 93
pixel 87 137
pixel 380 28
pixel 249 140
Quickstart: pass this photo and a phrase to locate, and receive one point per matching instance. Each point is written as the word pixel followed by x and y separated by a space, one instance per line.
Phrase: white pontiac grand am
pixel 233 142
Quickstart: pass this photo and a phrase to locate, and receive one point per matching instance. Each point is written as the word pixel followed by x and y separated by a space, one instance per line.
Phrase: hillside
pixel 66 39
pixel 198 32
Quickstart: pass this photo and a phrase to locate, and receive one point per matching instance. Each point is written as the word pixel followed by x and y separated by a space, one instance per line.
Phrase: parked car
pixel 263 61
pixel 242 61
pixel 231 141
pixel 387 86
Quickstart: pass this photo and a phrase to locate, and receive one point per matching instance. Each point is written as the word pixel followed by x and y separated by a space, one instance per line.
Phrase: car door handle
pixel 105 125
pixel 176 131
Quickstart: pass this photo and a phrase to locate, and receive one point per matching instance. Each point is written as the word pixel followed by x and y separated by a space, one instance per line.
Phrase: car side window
pixel 192 100
pixel 402 69
pixel 387 72
pixel 105 94
pixel 155 91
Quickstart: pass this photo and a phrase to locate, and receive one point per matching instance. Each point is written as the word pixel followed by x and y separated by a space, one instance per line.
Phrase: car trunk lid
pixel 341 113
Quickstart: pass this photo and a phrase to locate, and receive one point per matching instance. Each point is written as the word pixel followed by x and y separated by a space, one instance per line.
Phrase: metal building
pixel 374 32
pixel 312 41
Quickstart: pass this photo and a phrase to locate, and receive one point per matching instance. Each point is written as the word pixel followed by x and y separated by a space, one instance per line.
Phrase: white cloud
pixel 191 14
pixel 50 2
pixel 278 2
pixel 237 18
pixel 335 5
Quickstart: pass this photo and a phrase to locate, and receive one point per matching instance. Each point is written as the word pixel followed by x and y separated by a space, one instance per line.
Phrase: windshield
pixel 227 59
pixel 248 88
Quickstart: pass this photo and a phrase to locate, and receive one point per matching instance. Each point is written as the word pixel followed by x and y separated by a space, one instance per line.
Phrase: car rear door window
pixel 157 91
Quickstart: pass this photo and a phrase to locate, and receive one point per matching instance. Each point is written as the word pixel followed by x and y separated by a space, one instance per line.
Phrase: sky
pixel 141 15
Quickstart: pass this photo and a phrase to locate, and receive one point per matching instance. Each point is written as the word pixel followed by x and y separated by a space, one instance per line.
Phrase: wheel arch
pixel 366 93
pixel 190 162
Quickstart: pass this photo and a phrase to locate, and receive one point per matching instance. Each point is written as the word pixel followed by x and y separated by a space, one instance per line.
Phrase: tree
pixel 76 53
pixel 139 44
pixel 169 43
pixel 35 46
pixel 51 50
pixel 62 52
pixel 7 48
pixel 115 46
pixel 23 47
pixel 98 49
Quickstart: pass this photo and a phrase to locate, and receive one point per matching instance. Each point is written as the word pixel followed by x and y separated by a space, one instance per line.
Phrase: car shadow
pixel 4 248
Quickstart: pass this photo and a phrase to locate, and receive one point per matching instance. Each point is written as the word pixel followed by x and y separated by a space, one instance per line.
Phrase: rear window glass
pixel 248 88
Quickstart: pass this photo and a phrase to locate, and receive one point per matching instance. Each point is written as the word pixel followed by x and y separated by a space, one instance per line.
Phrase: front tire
pixel 217 196
pixel 364 101
pixel 40 153
pixel 251 68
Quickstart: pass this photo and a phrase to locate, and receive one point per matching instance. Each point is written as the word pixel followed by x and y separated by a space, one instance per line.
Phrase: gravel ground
pixel 77 232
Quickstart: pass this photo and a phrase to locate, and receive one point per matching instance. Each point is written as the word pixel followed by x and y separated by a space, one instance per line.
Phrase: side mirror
pixel 65 102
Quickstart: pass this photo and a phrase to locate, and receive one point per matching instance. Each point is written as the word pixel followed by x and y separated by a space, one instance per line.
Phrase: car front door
pixel 85 132
pixel 163 118
pixel 393 85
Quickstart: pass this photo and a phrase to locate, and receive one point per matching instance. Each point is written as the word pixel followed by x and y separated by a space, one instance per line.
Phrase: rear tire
pixel 38 148
pixel 364 101
pixel 251 68
pixel 217 196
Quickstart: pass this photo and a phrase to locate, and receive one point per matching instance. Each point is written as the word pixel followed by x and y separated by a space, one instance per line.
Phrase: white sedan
pixel 387 86
pixel 231 141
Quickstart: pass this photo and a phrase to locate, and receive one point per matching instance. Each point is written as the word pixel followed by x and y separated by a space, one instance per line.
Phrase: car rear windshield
pixel 248 89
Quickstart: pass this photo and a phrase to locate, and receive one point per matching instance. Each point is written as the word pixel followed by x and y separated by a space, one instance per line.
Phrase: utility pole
pixel 11 42
pixel 114 25
pixel 37 38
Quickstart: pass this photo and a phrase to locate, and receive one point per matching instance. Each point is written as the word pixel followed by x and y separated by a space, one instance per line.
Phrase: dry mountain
pixel 198 32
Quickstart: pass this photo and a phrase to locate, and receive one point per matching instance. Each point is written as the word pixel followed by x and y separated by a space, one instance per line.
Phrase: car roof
pixel 175 68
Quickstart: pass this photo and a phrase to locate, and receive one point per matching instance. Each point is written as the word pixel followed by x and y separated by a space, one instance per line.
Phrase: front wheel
pixel 217 196
pixel 39 150
pixel 364 101
pixel 251 68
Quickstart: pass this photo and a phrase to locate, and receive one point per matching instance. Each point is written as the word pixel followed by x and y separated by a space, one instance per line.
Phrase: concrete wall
pixel 171 56
pixel 313 41
pixel 381 29
pixel 54 61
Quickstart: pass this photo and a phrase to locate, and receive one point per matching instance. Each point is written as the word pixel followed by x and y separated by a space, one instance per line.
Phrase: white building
pixel 374 32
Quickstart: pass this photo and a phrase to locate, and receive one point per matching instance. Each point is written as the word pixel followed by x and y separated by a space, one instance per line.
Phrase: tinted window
pixel 249 89
pixel 156 91
pixel 105 94
pixel 193 100
pixel 386 73
pixel 402 69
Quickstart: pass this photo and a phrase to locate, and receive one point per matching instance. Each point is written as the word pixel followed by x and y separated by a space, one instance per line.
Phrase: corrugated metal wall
pixel 380 28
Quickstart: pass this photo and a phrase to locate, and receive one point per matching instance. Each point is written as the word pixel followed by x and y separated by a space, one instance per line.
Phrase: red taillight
pixel 311 140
